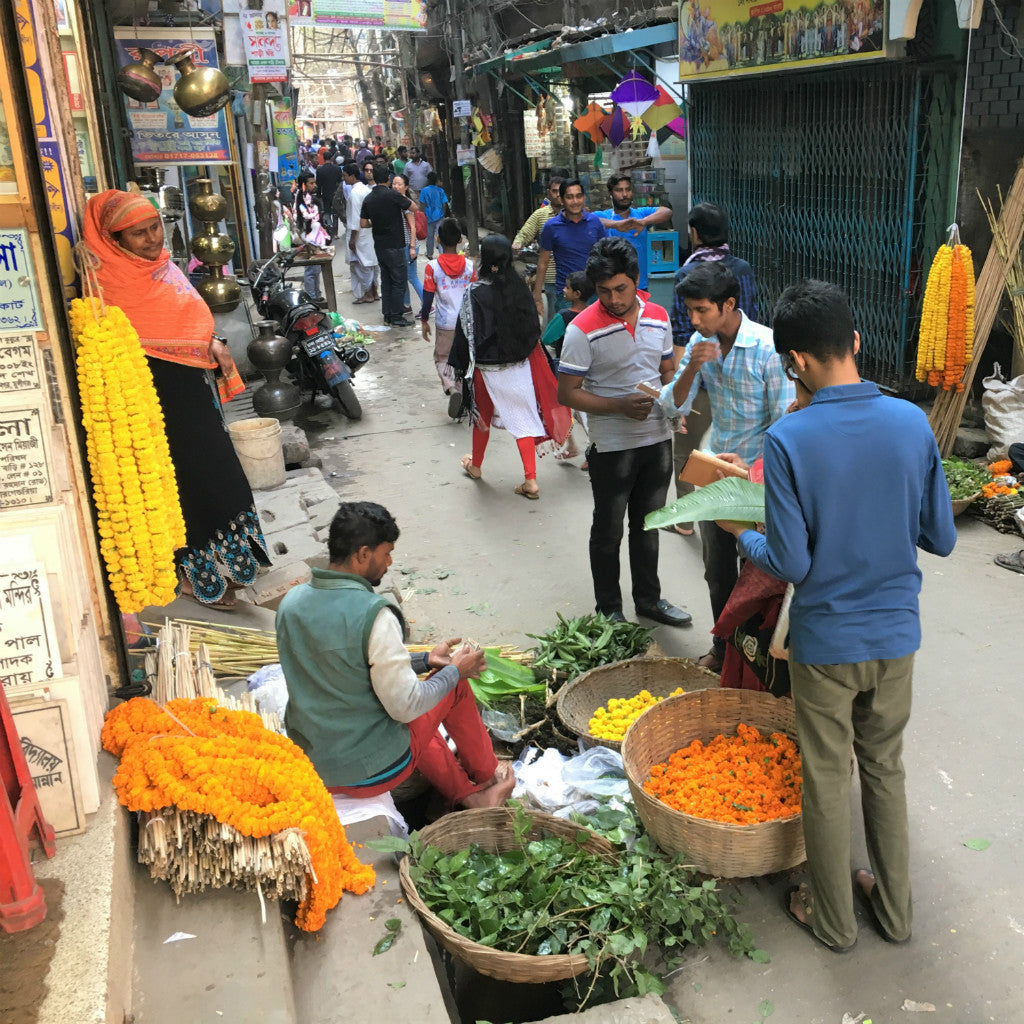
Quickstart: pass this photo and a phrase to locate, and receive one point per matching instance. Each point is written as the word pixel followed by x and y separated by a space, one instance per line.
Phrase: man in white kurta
pixel 362 258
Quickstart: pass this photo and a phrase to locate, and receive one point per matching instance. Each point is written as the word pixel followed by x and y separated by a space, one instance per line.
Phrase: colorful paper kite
pixel 615 126
pixel 590 122
pixel 634 94
pixel 663 110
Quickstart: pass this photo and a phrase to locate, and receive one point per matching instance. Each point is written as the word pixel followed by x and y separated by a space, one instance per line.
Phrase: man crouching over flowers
pixel 355 705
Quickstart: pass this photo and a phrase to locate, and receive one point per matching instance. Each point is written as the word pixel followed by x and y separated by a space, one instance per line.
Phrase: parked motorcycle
pixel 319 363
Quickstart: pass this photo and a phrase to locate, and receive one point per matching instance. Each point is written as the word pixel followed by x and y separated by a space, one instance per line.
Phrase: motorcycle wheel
pixel 347 399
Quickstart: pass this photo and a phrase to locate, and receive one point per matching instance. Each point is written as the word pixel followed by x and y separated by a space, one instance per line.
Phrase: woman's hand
pixel 221 355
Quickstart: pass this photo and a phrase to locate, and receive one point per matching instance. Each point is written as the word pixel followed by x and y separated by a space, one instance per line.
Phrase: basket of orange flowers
pixel 715 775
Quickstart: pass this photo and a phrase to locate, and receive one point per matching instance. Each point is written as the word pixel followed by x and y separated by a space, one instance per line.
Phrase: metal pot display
pixel 200 92
pixel 219 292
pixel 138 79
pixel 269 352
pixel 213 248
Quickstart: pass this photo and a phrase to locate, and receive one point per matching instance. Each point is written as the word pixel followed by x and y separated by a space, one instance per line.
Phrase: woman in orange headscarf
pixel 224 542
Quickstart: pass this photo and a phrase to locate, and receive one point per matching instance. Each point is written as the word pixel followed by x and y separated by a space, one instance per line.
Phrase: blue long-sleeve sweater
pixel 853 486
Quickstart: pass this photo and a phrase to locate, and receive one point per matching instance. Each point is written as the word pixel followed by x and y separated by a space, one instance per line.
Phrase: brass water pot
pixel 221 293
pixel 139 80
pixel 213 247
pixel 200 92
pixel 205 204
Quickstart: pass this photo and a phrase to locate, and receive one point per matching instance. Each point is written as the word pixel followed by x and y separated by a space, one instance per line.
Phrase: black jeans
pixel 633 481
pixel 394 279
pixel 721 570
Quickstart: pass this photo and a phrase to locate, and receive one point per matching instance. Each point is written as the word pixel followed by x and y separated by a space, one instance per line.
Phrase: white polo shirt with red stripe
pixel 612 359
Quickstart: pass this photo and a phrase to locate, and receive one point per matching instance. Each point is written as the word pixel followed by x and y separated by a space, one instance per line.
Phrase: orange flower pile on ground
pixel 241 773
pixel 740 780
pixel 998 485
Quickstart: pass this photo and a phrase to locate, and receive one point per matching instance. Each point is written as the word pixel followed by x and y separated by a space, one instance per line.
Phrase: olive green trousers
pixel 863 707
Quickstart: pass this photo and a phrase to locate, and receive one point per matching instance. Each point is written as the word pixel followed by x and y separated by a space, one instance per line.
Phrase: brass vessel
pixel 221 293
pixel 138 79
pixel 212 247
pixel 205 204
pixel 200 92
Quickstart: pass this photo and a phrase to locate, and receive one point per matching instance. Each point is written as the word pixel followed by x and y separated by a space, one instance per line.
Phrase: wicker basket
pixel 578 701
pixel 716 848
pixel 962 504
pixel 492 829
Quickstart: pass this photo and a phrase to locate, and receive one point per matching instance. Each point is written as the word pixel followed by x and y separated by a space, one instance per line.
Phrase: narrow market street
pixel 486 564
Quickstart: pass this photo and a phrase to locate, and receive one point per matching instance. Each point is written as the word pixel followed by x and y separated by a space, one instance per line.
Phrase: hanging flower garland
pixel 946 337
pixel 199 757
pixel 134 488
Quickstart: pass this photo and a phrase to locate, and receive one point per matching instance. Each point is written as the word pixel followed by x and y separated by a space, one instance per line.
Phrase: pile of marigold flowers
pixel 611 722
pixel 1003 481
pixel 199 757
pixel 740 780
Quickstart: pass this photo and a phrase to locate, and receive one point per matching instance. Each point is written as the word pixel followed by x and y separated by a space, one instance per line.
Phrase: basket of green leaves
pixel 965 481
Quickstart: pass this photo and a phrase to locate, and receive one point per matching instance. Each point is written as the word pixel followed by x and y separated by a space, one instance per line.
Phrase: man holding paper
pixel 735 361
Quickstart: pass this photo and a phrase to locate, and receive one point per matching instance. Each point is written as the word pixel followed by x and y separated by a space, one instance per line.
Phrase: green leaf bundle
pixel 576 645
pixel 731 498
pixel 964 479
pixel 503 678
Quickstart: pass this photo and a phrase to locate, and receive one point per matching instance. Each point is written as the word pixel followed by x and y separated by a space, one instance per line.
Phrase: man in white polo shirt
pixel 620 341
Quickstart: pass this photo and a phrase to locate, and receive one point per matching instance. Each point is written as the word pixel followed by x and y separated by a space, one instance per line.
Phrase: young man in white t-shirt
pixel 445 280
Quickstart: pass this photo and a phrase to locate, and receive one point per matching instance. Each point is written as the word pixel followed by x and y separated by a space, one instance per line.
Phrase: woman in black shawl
pixel 507 381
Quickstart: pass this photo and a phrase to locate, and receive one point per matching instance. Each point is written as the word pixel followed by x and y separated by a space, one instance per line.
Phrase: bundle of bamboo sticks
pixel 1007 233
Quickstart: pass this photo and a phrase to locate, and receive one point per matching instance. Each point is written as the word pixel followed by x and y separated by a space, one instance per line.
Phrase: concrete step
pixel 235 970
pixel 337 978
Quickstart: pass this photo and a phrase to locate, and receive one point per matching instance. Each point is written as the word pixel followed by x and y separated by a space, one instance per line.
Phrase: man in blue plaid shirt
pixel 735 361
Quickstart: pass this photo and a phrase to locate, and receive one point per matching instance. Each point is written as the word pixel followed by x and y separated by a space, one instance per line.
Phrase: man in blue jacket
pixel 853 486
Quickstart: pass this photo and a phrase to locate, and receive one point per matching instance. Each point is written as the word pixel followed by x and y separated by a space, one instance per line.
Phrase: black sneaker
pixel 400 321
pixel 455 405
pixel 666 613
pixel 615 616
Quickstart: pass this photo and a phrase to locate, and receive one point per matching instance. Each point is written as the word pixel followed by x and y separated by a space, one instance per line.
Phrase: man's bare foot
pixel 495 792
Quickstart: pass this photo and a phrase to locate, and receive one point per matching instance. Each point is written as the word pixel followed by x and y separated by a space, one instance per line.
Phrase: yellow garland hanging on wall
pixel 198 756
pixel 134 488
pixel 946 337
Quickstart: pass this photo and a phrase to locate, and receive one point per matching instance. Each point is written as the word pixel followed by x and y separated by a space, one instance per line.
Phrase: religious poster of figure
pixel 44 729
pixel 729 37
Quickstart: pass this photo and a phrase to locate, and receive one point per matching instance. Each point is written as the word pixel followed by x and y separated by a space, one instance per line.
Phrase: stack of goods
pixel 224 801
pixel 610 722
pixel 1002 498
pixel 740 780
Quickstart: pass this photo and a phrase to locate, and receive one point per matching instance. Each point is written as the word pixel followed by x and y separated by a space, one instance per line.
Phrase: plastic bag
pixel 268 687
pixel 551 782
pixel 1003 404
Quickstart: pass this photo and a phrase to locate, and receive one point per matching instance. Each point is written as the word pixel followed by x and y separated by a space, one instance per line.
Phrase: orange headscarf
pixel 173 321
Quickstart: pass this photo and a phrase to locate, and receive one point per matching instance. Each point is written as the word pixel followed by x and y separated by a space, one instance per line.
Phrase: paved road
pixel 490 565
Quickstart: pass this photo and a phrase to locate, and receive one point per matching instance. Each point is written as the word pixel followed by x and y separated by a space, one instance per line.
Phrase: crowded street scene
pixel 511 512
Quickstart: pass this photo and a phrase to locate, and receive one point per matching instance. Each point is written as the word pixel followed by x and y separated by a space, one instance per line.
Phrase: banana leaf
pixel 731 498
pixel 503 678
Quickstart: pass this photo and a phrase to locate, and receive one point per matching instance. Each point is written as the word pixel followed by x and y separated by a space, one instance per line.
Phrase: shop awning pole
pixel 498 78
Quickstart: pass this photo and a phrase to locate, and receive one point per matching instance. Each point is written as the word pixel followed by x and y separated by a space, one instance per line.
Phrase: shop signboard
pixel 19 306
pixel 393 15
pixel 162 133
pixel 266 47
pixel 730 37
pixel 285 141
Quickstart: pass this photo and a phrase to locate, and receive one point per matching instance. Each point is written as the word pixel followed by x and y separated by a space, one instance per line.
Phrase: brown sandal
pixel 473 472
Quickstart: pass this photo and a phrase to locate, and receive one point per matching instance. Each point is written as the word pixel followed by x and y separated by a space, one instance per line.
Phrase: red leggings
pixel 454 778
pixel 527 445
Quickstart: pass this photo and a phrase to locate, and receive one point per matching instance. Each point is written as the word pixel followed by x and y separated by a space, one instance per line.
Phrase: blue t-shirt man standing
pixel 629 222
pixel 567 237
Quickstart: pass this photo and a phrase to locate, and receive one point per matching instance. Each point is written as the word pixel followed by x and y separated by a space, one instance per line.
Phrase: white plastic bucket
pixel 258 444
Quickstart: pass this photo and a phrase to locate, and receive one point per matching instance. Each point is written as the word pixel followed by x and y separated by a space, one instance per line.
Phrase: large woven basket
pixel 578 701
pixel 716 848
pixel 492 829
pixel 961 505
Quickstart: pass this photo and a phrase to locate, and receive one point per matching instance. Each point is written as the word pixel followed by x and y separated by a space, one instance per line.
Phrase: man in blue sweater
pixel 853 486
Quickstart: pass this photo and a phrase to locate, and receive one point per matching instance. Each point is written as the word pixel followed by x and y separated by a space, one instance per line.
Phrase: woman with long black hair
pixel 507 381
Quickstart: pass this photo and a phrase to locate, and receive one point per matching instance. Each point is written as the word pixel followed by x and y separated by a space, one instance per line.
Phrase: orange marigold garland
pixel 945 343
pixel 237 771
pixel 740 780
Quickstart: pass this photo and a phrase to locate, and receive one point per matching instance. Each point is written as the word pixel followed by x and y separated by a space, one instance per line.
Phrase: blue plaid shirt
pixel 748 390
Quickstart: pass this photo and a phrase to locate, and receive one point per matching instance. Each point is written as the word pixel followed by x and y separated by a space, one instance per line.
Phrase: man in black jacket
pixel 328 180
pixel 384 211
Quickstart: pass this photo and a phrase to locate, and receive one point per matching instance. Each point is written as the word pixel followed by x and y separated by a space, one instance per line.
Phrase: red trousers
pixel 453 777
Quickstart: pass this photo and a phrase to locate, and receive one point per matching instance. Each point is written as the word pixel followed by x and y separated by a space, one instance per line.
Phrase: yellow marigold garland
pixel 134 487
pixel 946 337
pixel 242 774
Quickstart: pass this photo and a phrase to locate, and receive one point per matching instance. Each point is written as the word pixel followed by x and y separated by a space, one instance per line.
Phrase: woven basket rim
pixel 486 959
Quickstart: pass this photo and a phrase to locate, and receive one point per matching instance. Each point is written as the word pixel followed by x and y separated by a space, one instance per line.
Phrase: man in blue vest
pixel 355 705
pixel 632 222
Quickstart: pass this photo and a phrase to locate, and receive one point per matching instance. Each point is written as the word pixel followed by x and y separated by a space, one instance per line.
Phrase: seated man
pixel 355 705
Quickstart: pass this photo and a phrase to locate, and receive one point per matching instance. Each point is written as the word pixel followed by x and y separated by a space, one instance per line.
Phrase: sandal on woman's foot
pixel 803 898
pixel 525 492
pixel 863 883
pixel 473 472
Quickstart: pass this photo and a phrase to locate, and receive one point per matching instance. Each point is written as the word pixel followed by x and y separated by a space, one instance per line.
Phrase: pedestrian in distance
pixel 401 186
pixel 709 241
pixel 631 222
pixel 445 280
pixel 384 212
pixel 416 171
pixel 567 238
pixel 400 160
pixel 355 706
pixel 360 251
pixel 309 226
pixel 735 362
pixel 328 180
pixel 612 349
pixel 434 202
pixel 507 381
pixel 847 540
pixel 531 230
